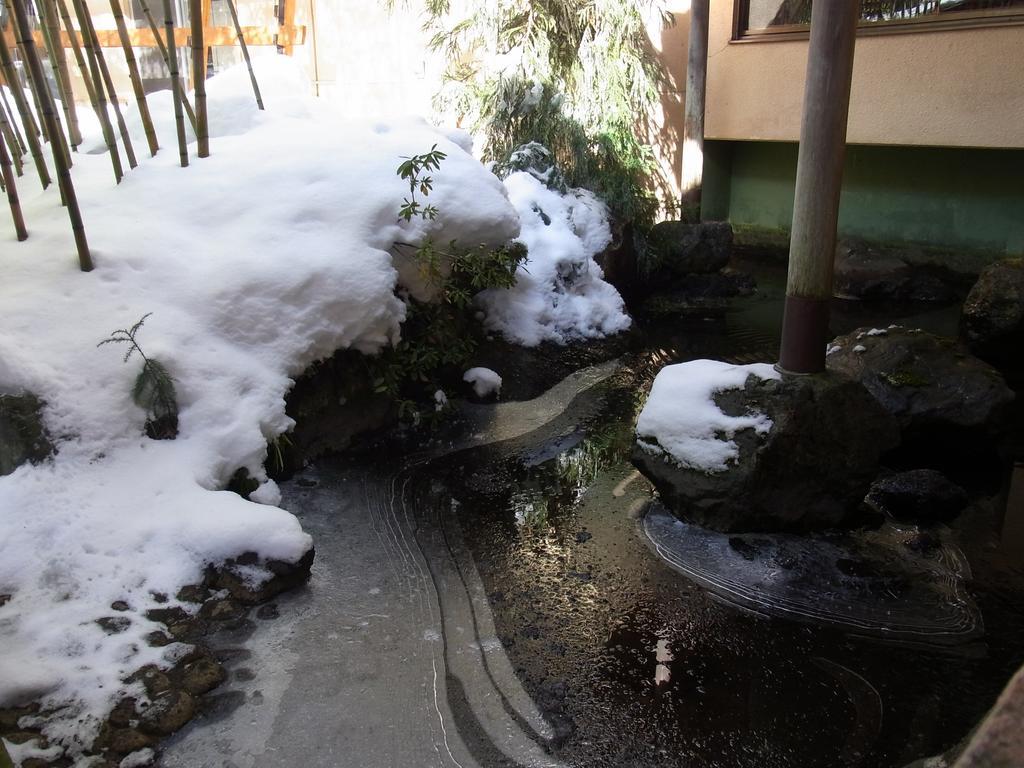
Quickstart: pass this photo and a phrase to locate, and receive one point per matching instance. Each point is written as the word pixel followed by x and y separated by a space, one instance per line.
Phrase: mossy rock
pixel 23 437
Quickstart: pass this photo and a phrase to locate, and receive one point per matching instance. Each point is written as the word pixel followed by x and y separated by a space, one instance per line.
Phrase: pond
pixel 491 598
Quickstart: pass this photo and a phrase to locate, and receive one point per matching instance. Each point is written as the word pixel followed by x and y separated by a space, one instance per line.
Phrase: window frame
pixel 996 17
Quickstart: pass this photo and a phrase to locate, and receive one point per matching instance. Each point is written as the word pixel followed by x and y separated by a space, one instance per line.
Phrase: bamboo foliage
pixel 245 53
pixel 199 77
pixel 135 76
pixel 49 117
pixel 176 89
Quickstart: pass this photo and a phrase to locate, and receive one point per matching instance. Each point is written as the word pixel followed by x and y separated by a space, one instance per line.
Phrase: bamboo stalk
pixel 6 107
pixel 12 193
pixel 62 137
pixel 199 77
pixel 8 135
pixel 27 121
pixel 245 53
pixel 136 78
pixel 32 86
pixel 49 117
pixel 55 48
pixel 172 60
pixel 100 104
pixel 108 82
pixel 76 48
pixel 167 60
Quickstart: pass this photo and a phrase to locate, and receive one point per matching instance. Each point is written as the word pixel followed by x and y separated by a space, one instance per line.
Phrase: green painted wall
pixel 948 198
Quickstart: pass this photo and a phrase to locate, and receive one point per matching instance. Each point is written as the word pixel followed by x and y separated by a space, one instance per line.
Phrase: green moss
pixel 905 378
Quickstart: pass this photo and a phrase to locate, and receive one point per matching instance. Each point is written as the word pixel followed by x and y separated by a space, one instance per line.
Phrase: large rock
pixel 810 470
pixel 993 317
pixel 680 248
pixel 22 435
pixel 920 495
pixel 945 399
pixel 234 575
pixel 699 295
pixel 872 272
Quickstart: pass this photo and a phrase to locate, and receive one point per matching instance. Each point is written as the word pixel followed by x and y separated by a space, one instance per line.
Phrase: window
pixel 789 19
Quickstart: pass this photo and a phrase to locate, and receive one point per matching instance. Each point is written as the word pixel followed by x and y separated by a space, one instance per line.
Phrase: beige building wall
pixel 962 87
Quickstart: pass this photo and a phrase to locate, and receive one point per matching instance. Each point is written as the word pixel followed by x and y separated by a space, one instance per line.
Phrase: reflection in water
pixel 867 582
pixel 662 655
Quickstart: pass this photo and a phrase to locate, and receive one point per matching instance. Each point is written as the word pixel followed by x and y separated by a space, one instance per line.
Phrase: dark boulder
pixel 993 317
pixel 811 470
pixel 872 272
pixel 233 577
pixel 699 295
pixel 945 399
pixel 920 495
pixel 680 248
pixel 22 435
pixel 167 713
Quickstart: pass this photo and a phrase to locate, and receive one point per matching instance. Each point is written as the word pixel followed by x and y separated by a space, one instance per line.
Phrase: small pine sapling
pixel 154 387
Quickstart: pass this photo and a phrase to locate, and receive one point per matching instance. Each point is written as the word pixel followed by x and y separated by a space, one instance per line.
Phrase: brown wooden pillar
pixel 693 111
pixel 819 177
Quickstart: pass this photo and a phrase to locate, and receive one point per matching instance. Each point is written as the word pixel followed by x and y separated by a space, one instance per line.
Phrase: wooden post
pixel 819 178
pixel 288 20
pixel 693 111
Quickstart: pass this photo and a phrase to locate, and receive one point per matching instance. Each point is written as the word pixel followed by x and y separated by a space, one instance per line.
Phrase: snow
pixel 440 400
pixel 559 295
pixel 19 753
pixel 255 262
pixel 682 422
pixel 485 381
pixel 137 759
pixel 874 332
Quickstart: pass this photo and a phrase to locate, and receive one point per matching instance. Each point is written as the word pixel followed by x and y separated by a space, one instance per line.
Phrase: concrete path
pixel 389 657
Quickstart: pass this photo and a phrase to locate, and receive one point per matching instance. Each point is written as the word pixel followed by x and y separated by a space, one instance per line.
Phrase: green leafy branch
pixel 412 170
pixel 438 336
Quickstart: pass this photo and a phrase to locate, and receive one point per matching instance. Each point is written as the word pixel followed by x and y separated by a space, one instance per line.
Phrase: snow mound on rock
pixel 560 294
pixel 681 420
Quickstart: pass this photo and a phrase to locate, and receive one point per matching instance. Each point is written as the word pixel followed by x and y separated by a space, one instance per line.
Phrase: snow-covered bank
pixel 559 295
pixel 255 262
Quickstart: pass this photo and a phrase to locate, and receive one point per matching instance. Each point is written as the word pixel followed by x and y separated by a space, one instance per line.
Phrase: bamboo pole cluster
pixel 30 119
